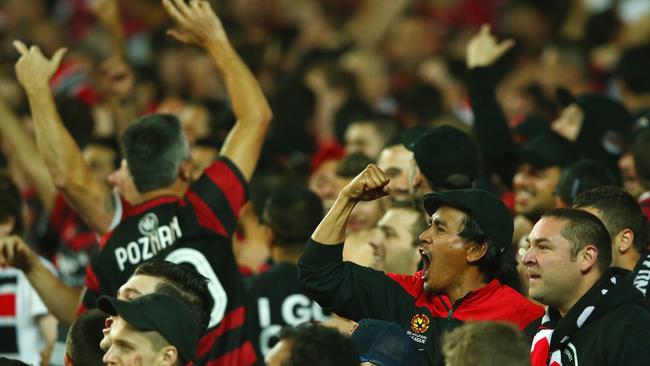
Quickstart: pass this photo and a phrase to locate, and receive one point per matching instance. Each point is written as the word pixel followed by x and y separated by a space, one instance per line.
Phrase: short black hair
pixel 632 68
pixel 317 345
pixel 293 213
pixel 11 203
pixel 154 146
pixel 84 336
pixel 388 129
pixel 584 228
pixel 182 278
pixel 581 176
pixel 110 143
pixel 353 164
pixel 619 211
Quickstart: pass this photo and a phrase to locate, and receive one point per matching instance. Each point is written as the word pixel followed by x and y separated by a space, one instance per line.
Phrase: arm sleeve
pixel 490 124
pixel 218 195
pixel 350 290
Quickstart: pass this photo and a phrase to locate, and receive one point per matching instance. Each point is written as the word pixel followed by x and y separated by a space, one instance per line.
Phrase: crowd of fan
pixel 312 182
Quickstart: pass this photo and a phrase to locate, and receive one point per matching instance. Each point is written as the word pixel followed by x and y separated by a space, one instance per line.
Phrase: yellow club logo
pixel 420 323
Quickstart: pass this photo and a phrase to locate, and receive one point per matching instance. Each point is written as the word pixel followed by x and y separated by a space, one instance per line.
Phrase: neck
pixel 472 279
pixel 178 189
pixel 280 254
pixel 588 281
pixel 628 260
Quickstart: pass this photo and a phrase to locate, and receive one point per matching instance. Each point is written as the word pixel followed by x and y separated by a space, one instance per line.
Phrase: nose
pixel 109 357
pixel 529 258
pixel 520 179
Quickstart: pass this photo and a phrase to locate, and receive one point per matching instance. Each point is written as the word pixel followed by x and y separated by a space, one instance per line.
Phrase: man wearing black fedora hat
pixel 465 252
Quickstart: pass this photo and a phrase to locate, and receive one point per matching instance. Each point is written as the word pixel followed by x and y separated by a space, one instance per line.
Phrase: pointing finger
pixel 20 46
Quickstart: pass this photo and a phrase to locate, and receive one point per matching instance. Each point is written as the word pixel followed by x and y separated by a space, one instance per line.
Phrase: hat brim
pixel 125 309
pixel 435 200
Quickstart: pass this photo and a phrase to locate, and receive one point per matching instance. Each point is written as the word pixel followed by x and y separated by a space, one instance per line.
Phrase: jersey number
pixel 198 260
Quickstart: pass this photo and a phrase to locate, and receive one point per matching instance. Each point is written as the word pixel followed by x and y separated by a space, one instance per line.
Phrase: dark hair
pixel 584 228
pixel 154 147
pixel 77 118
pixel 494 264
pixel 292 214
pixel 485 343
pixel 317 345
pixel 580 176
pixel 353 164
pixel 632 68
pixel 11 203
pixel 84 336
pixel 618 211
pixel 184 279
pixel 641 151
pixel 109 143
pixel 422 101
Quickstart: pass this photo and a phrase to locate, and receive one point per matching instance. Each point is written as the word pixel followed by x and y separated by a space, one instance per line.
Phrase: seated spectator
pixel 314 345
pixel 578 177
pixel 485 344
pixel 155 329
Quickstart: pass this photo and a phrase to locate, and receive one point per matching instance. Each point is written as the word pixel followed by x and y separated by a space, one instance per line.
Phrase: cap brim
pixel 125 309
pixel 534 159
pixel 432 201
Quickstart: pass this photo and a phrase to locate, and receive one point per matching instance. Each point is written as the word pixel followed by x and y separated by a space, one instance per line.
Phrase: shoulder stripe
pixel 230 321
pixel 229 179
pixel 205 215
pixel 242 356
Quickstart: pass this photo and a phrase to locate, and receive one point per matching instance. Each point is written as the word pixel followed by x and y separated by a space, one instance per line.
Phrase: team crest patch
pixel 148 224
pixel 420 323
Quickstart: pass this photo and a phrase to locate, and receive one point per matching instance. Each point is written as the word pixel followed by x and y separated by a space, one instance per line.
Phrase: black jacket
pixel 608 326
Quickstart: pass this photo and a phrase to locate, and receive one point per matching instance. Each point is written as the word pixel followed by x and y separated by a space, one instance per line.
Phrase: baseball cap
pixel 446 156
pixel 548 149
pixel 581 176
pixel 385 344
pixel 487 209
pixel 161 313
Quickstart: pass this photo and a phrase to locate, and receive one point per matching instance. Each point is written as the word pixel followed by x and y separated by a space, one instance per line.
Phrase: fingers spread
pixel 58 55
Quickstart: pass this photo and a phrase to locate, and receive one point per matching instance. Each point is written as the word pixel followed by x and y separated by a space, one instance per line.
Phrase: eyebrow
pixel 387 229
pixel 128 291
pixel 537 241
pixel 438 222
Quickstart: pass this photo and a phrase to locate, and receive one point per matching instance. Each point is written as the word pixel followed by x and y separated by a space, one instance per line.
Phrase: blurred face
pixel 569 123
pixel 130 347
pixel 396 162
pixel 135 287
pixel 365 215
pixel 279 354
pixel 323 182
pixel 534 190
pixel 363 137
pixel 443 251
pixel 553 274
pixel 101 161
pixel 631 181
pixel 393 247
pixel 202 157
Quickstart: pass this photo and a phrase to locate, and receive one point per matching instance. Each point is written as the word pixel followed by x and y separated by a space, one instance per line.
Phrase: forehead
pixel 397 155
pixel 548 228
pixel 139 285
pixel 449 215
pixel 398 218
pixel 361 130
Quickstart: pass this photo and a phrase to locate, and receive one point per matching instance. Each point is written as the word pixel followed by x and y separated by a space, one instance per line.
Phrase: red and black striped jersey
pixel 195 229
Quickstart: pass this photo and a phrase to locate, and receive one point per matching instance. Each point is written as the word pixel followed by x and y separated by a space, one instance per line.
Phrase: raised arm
pixel 24 151
pixel 62 301
pixel 91 198
pixel 369 185
pixel 197 24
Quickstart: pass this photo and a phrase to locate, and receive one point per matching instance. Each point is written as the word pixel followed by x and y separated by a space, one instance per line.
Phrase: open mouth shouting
pixel 426 262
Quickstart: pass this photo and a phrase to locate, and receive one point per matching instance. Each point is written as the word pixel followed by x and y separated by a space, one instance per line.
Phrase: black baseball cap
pixel 446 156
pixel 487 209
pixel 385 344
pixel 548 149
pixel 161 313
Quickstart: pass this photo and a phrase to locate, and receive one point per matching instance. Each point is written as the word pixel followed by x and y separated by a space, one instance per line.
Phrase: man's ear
pixel 588 258
pixel 185 169
pixel 169 356
pixel 476 251
pixel 624 240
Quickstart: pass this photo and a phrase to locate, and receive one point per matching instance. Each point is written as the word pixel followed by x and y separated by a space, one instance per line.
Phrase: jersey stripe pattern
pixel 194 229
